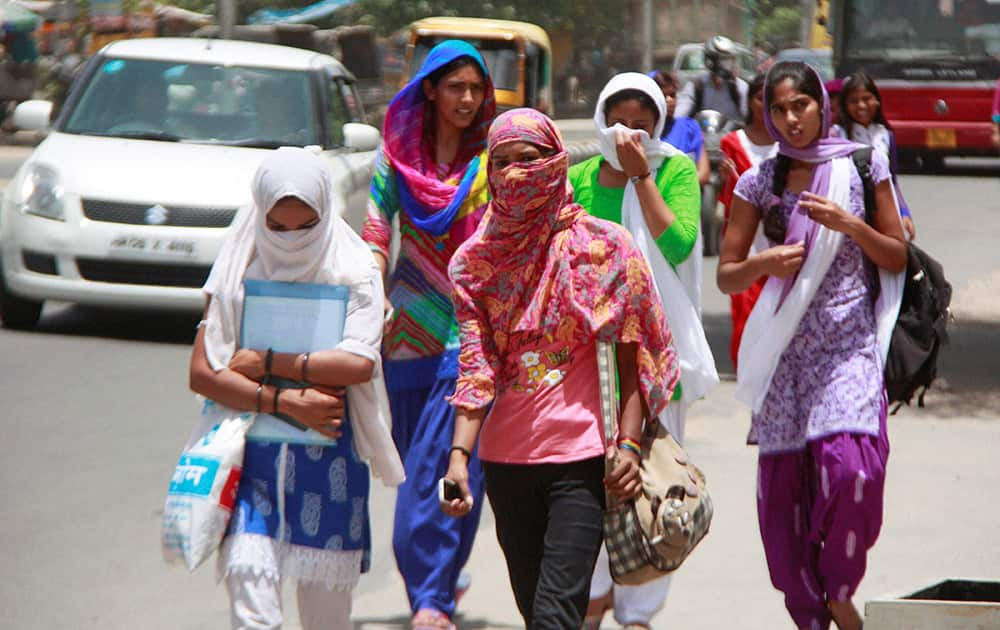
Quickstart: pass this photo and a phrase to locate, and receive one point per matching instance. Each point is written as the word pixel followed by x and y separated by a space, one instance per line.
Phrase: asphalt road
pixel 96 407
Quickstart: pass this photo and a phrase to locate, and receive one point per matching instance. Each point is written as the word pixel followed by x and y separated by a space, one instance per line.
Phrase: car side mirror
pixel 32 115
pixel 360 137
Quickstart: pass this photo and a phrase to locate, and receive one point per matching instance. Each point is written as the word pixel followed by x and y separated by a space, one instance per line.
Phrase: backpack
pixel 921 327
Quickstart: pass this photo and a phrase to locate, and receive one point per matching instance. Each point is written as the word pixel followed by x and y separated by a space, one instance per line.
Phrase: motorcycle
pixel 713 127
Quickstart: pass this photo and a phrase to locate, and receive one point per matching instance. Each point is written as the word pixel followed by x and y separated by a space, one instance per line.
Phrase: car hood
pixel 170 173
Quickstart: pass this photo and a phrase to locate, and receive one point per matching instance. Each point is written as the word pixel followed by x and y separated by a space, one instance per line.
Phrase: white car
pixel 126 201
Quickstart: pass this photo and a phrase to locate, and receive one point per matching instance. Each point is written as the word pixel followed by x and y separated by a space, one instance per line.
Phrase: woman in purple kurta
pixel 814 345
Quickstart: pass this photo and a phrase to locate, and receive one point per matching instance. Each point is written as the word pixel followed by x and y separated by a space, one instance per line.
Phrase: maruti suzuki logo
pixel 157 215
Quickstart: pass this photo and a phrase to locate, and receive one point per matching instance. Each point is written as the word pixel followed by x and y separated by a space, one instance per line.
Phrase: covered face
pixel 523 190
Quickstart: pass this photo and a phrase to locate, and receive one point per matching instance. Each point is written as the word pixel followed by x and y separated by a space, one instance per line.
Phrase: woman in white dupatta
pixel 652 189
pixel 813 351
pixel 301 511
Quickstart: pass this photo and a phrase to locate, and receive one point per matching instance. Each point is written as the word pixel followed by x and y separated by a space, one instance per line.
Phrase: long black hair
pixel 632 94
pixel 806 81
pixel 859 80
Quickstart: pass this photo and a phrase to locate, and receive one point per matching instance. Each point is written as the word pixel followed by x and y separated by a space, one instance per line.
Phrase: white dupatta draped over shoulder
pixel 679 289
pixel 329 253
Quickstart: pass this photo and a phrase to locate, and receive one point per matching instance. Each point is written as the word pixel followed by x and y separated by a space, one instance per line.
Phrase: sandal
pixel 430 619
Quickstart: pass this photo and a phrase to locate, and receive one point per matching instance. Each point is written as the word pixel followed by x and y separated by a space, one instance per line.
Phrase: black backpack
pixel 921 327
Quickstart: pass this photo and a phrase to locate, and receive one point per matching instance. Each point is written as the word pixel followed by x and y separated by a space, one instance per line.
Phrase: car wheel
pixel 932 162
pixel 17 312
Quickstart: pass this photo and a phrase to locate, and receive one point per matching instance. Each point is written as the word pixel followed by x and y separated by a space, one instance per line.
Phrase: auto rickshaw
pixel 518 55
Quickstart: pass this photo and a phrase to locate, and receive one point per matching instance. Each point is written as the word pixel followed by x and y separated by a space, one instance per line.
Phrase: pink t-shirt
pixel 548 405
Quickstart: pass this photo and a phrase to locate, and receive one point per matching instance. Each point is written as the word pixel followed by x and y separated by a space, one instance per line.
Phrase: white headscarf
pixel 329 253
pixel 680 288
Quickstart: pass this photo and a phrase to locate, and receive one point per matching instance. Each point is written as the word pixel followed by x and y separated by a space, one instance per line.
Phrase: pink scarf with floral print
pixel 538 261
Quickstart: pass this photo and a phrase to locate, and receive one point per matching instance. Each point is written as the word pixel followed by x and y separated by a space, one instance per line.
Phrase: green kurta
pixel 677 181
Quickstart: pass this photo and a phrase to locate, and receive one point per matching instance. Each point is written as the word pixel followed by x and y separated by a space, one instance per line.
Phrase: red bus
pixel 936 63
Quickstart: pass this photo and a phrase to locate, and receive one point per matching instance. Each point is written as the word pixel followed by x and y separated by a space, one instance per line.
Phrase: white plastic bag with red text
pixel 203 488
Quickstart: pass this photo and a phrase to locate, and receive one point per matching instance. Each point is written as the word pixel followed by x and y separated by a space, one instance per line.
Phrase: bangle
pixel 635 179
pixel 305 368
pixel 268 358
pixel 460 449
pixel 277 392
pixel 630 445
pixel 260 389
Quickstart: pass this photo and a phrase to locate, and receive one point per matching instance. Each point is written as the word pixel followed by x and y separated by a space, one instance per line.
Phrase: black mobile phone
pixel 448 491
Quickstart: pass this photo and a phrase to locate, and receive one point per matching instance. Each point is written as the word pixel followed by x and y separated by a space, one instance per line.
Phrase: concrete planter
pixel 954 604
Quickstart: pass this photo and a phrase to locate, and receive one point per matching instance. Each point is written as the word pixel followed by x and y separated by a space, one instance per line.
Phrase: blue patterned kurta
pixel 326 495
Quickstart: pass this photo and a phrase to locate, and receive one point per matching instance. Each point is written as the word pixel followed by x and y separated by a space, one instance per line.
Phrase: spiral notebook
pixel 291 317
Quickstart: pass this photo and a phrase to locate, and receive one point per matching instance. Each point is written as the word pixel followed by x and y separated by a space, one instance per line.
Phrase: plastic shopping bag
pixel 203 490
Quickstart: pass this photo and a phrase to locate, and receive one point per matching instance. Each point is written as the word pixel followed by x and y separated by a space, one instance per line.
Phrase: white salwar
pixel 254 565
pixel 679 290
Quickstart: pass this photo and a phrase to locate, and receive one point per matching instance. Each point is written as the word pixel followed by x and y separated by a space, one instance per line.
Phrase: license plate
pixel 152 246
pixel 941 139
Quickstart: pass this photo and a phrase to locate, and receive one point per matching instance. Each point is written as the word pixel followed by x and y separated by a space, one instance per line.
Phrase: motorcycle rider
pixel 719 88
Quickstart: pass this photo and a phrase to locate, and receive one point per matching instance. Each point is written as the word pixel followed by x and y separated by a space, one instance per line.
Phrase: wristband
pixel 305 368
pixel 268 358
pixel 630 445
pixel 635 179
pixel 460 449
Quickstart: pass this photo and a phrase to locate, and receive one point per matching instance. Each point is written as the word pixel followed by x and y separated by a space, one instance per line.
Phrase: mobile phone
pixel 448 491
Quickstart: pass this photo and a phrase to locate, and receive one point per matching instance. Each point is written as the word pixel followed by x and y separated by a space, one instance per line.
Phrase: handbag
pixel 651 535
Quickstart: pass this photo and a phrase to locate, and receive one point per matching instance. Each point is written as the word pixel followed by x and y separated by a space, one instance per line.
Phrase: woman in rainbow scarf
pixel 431 177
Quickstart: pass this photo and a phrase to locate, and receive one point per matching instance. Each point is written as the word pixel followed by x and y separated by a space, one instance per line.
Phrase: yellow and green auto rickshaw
pixel 518 54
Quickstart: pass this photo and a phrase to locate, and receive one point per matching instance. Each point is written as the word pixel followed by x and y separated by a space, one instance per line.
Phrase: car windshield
pixel 187 102
pixel 922 29
pixel 500 57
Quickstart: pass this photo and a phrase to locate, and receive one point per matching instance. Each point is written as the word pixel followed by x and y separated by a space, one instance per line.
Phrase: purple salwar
pixel 820 511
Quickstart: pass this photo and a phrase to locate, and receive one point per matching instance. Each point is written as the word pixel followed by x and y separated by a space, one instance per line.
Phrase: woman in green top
pixel 652 189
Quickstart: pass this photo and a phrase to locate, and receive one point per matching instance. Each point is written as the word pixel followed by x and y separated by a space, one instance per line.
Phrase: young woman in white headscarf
pixel 652 189
pixel 309 523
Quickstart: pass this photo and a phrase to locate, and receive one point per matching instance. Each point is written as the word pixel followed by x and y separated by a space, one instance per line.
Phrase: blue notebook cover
pixel 291 317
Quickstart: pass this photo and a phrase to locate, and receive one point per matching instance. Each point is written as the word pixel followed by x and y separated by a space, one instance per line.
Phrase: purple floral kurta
pixel 829 378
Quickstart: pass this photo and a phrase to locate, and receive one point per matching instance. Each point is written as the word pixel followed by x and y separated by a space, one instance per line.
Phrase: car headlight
pixel 42 193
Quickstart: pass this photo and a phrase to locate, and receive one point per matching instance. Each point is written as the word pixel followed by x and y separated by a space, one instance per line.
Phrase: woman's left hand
pixel 624 481
pixel 249 363
pixel 827 213
pixel 631 154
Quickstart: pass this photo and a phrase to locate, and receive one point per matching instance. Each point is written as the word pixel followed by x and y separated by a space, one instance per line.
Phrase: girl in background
pixel 813 353
pixel 862 120
pixel 681 131
pixel 431 177
pixel 743 149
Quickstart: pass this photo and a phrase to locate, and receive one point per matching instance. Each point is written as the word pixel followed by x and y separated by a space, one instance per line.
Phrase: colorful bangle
pixel 630 445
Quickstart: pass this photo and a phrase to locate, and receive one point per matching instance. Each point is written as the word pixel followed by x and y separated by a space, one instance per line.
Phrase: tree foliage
pixel 776 21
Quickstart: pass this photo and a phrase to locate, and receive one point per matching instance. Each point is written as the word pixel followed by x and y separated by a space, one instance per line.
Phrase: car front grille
pixel 155 214
pixel 152 274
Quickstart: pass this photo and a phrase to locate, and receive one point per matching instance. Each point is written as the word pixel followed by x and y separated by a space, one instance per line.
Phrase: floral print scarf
pixel 538 262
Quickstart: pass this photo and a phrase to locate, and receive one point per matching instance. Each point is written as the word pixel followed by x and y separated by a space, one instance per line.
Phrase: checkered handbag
pixel 650 535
